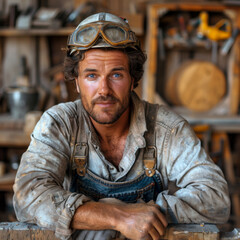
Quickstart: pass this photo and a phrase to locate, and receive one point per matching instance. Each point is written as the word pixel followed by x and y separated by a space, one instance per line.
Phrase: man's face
pixel 105 84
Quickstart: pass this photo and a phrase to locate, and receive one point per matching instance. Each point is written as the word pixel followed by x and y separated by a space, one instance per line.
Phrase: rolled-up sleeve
pixel 39 195
pixel 200 192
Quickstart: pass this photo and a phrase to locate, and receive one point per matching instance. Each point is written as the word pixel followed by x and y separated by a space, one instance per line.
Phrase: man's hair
pixel 136 60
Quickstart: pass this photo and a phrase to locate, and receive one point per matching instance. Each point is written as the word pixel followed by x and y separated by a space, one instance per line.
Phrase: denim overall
pixel 145 187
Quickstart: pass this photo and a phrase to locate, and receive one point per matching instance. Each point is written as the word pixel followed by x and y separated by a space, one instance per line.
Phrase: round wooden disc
pixel 197 85
pixel 200 86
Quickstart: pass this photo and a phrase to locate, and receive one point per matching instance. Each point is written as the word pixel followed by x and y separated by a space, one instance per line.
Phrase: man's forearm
pixel 95 216
pixel 134 221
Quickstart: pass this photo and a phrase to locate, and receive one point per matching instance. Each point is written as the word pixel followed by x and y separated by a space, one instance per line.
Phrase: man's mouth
pixel 105 104
pixel 105 101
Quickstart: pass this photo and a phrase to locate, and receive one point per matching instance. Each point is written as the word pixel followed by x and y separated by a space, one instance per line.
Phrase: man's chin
pixel 106 117
pixel 104 121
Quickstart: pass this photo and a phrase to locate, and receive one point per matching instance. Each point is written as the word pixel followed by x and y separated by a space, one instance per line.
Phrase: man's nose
pixel 104 88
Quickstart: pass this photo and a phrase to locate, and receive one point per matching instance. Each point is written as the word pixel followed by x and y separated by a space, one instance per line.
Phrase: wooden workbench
pixel 17 230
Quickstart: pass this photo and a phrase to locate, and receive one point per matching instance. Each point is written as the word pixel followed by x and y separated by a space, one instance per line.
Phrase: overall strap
pixel 150 152
pixel 80 153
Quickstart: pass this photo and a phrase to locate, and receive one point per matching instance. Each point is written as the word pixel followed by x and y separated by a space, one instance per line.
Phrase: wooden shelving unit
pixel 155 12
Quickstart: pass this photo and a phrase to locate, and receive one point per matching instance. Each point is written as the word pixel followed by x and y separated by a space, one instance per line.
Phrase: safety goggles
pixel 115 35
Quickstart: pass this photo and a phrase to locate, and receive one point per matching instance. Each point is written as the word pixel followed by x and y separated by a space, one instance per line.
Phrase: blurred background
pixel 193 66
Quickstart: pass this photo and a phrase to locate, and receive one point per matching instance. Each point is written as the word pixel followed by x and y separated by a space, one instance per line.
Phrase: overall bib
pixel 145 187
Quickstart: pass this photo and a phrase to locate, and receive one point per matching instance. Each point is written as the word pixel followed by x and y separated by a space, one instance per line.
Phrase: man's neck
pixel 113 137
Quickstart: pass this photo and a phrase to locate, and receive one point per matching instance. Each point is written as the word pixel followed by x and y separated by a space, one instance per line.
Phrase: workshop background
pixel 193 66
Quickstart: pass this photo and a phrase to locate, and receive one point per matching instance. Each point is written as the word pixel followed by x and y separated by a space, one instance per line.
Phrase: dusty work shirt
pixel 42 194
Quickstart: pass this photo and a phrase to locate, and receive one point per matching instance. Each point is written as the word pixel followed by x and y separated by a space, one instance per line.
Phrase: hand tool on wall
pixel 161 48
pixel 229 43
pixel 23 78
pixel 220 31
pixel 182 27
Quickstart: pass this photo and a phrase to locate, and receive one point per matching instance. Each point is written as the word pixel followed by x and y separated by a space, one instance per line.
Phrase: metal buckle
pixel 150 161
pixel 80 158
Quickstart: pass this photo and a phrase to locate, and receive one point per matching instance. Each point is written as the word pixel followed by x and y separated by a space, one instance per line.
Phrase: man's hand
pixel 141 221
pixel 135 221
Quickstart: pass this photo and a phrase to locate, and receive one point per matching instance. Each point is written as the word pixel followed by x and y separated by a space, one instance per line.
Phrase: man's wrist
pixel 97 216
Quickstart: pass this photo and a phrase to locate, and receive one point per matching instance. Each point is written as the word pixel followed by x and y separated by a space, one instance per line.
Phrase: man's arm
pixel 201 192
pixel 39 193
pixel 134 221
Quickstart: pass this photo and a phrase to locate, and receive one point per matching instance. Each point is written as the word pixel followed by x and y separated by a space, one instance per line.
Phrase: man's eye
pixel 91 75
pixel 116 75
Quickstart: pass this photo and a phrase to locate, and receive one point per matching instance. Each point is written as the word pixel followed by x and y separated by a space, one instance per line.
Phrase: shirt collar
pixel 138 120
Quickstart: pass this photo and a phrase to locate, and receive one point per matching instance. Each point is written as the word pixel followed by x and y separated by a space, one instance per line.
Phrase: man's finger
pixel 159 228
pixel 162 218
pixel 154 233
pixel 160 215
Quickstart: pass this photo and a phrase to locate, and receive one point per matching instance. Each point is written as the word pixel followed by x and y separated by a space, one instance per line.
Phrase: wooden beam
pixel 26 231
pixel 151 48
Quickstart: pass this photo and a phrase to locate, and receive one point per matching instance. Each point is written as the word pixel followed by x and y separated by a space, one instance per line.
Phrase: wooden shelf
pixel 222 123
pixel 12 132
pixel 14 138
pixel 13 32
pixel 7 181
pixel 187 44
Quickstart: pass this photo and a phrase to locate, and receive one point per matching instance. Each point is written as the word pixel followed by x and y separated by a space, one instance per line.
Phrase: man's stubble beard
pixel 117 114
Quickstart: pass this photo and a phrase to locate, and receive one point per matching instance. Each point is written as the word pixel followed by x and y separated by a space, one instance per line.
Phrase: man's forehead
pixel 96 58
pixel 91 53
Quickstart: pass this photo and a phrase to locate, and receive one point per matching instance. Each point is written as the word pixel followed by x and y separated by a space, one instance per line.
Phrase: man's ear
pixel 77 86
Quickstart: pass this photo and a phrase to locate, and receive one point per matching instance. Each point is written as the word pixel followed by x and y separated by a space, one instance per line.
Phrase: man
pixel 101 167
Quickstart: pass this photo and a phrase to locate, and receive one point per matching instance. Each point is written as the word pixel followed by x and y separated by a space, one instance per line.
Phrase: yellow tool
pixel 214 32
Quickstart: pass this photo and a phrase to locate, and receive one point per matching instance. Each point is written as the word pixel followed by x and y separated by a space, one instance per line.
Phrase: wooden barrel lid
pixel 198 85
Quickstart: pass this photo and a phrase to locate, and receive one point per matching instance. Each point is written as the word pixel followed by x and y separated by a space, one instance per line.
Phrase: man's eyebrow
pixel 89 70
pixel 119 69
pixel 95 70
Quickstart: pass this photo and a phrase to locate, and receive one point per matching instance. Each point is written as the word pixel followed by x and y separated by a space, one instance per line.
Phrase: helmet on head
pixel 102 30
